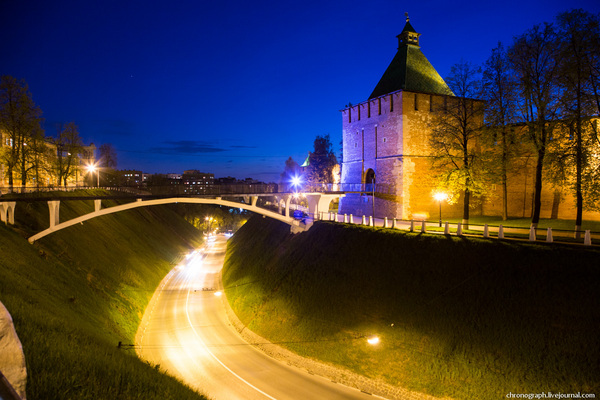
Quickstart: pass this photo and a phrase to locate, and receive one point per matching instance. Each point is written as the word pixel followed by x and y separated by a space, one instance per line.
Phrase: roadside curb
pixel 338 375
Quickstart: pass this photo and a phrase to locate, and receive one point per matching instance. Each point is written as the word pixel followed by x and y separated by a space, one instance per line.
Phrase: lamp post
pixel 440 196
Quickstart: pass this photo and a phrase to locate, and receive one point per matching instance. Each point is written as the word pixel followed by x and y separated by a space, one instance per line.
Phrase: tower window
pixel 369 109
pixel 358 111
pixel 349 115
pixel 416 102
pixel 391 103
pixel 384 140
pixel 430 102
pixel 379 105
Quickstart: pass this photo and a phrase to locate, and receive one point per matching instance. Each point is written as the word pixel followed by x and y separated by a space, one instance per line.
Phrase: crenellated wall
pixel 390 135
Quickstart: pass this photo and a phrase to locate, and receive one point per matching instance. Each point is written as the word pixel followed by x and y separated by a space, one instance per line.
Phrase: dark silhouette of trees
pixel 321 160
pixel 107 156
pixel 534 59
pixel 579 34
pixel 292 169
pixel 499 92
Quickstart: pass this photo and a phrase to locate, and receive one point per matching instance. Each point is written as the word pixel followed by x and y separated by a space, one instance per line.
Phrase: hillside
pixel 75 294
pixel 462 318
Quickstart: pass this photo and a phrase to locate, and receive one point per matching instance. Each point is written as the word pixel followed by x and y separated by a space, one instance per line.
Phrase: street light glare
pixel 440 196
pixel 91 168
pixel 296 180
pixel 373 340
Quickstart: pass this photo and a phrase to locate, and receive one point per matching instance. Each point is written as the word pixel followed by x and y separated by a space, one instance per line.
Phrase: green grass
pixel 458 317
pixel 76 293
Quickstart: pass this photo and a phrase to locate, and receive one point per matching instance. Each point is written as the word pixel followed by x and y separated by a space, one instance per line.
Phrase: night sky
pixel 231 87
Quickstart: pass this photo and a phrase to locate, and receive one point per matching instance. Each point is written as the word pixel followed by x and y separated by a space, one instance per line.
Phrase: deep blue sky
pixel 231 87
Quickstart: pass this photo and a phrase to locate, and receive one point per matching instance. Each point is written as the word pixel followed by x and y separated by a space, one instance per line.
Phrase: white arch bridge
pixel 318 204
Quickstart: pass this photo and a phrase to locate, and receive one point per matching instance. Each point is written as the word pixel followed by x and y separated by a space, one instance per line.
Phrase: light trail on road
pixel 185 330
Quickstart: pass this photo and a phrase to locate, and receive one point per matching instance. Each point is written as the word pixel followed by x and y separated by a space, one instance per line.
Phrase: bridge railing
pixel 47 189
pixel 216 190
pixel 379 188
pixel 213 190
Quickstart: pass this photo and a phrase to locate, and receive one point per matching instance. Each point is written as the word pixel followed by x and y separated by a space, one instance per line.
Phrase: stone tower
pixel 385 139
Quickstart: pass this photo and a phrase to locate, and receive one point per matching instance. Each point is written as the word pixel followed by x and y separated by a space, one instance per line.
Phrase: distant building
pixel 229 180
pixel 196 182
pixel 130 178
pixel 46 173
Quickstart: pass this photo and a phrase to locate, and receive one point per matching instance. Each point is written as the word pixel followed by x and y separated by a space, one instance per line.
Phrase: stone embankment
pixel 12 359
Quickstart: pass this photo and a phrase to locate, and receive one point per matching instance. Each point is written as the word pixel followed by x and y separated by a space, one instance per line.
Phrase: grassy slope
pixel 471 318
pixel 76 293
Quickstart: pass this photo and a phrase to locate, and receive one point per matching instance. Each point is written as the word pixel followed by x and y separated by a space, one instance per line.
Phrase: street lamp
pixel 440 196
pixel 296 181
pixel 373 340
pixel 209 221
pixel 91 169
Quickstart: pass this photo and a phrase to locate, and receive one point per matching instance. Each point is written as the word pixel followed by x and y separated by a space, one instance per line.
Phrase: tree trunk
pixel 578 170
pixel 465 220
pixel 537 195
pixel 23 172
pixel 504 177
pixel 504 198
pixel 10 178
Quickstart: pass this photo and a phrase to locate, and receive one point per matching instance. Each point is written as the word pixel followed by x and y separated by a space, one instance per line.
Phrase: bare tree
pixel 107 156
pixel 68 146
pixel 291 171
pixel 534 59
pixel 38 156
pixel 455 136
pixel 499 91
pixel 579 32
pixel 20 119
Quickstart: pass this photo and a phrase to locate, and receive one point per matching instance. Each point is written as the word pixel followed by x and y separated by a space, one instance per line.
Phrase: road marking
pixel 215 357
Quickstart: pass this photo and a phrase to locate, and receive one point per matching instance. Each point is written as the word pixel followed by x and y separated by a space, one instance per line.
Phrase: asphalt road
pixel 185 330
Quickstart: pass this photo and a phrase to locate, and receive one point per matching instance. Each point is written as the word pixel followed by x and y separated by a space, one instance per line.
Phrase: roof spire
pixel 408 34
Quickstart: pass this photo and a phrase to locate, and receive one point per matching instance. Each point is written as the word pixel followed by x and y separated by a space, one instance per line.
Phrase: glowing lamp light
pixel 373 340
pixel 218 293
pixel 91 168
pixel 440 196
pixel 296 181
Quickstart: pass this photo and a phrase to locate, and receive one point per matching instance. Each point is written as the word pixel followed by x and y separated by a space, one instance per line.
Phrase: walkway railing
pixel 548 235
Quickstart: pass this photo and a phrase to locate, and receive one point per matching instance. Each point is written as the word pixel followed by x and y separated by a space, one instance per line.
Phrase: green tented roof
pixel 410 70
pixel 307 161
pixel 408 28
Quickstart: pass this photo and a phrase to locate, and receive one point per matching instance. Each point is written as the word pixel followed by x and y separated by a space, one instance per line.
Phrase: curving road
pixel 185 330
